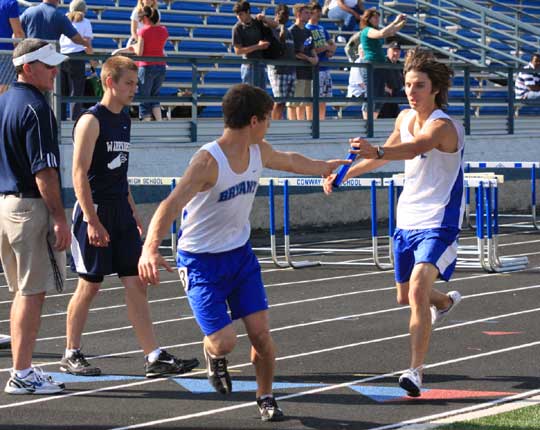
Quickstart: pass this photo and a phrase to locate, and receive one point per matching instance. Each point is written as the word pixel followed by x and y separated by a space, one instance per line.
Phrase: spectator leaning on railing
pixel 303 46
pixel 282 78
pixel 9 25
pixel 248 41
pixel 324 47
pixel 527 84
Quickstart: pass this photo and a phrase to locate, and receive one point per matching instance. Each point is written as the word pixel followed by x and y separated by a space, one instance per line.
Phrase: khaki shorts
pixel 25 227
pixel 302 89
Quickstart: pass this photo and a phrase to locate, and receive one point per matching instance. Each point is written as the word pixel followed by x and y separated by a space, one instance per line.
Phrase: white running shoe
pixel 438 315
pixel 36 382
pixel 411 381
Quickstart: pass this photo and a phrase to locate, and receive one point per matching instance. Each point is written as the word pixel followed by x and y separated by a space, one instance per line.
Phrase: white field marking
pixel 410 424
pixel 521 255
pixel 331 349
pixel 358 275
pixel 378 272
pixel 318 390
pixel 243 335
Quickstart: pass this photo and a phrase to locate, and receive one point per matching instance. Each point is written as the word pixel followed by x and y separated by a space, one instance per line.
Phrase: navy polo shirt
pixel 28 138
pixel 45 21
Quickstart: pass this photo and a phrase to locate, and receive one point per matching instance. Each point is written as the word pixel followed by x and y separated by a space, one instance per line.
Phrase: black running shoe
pixel 218 375
pixel 167 364
pixel 269 409
pixel 78 365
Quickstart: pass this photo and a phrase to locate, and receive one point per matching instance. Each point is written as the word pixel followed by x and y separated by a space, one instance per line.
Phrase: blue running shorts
pixel 437 246
pixel 217 282
pixel 122 254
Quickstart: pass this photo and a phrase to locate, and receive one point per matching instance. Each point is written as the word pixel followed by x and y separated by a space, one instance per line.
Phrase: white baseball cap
pixel 46 54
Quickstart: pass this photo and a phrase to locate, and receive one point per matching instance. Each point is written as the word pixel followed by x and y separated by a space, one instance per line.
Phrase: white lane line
pixel 408 423
pixel 287 357
pixel 277 329
pixel 321 390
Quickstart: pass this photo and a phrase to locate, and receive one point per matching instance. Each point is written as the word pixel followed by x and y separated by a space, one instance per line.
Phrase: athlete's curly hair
pixel 422 60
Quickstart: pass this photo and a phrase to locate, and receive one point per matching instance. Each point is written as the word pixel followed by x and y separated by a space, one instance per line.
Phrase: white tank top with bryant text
pixel 217 220
pixel 432 196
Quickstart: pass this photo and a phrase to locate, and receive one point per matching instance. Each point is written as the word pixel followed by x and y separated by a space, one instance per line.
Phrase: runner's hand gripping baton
pixel 343 171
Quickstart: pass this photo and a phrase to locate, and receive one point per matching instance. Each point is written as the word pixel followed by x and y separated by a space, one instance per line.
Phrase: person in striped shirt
pixel 527 85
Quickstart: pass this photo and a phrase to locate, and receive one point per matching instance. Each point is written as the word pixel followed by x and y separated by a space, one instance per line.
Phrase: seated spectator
pixel 9 25
pixel 136 23
pixel 357 79
pixel 282 78
pixel 348 11
pixel 395 83
pixel 73 71
pixel 151 41
pixel 527 86
pixel 248 41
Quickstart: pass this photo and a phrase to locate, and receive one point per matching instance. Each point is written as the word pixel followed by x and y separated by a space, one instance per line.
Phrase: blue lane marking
pixel 67 378
pixel 201 386
pixel 379 393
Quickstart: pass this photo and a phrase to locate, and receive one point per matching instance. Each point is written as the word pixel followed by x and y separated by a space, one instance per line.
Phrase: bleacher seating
pixel 203 27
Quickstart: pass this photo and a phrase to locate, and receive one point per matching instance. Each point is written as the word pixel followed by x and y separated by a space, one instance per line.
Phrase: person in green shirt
pixel 372 40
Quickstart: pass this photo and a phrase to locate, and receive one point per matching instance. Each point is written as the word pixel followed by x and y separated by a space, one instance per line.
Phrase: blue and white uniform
pixel 107 176
pixel 430 208
pixel 216 264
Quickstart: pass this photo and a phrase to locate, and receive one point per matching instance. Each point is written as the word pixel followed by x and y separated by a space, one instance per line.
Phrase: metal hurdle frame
pixel 532 165
pixel 485 254
pixel 374 250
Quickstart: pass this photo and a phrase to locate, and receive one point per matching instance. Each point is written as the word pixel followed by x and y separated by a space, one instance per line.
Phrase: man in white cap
pixel 34 233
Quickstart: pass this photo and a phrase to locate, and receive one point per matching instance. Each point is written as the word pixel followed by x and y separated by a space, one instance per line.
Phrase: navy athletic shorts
pixel 120 256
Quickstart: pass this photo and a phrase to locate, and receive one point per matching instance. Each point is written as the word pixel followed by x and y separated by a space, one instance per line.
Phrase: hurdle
pixel 373 250
pixel 485 254
pixel 532 165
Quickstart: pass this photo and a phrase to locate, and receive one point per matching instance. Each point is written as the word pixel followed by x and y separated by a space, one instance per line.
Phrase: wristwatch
pixel 380 152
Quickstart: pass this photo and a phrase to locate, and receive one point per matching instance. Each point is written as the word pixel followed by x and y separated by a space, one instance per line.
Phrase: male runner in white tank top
pixel 216 264
pixel 430 208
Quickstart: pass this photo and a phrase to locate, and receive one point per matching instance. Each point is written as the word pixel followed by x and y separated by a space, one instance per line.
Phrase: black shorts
pixel 120 256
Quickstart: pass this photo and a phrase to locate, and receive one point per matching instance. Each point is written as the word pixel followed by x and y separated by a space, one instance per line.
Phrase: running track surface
pixel 341 339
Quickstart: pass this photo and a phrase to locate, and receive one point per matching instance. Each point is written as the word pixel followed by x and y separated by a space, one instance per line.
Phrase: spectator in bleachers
pixel 73 71
pixel 348 11
pixel 303 46
pixel 351 48
pixel 136 22
pixel 151 42
pixel 527 86
pixel 46 22
pixel 248 41
pixel 324 47
pixel 372 39
pixel 282 78
pixel 357 80
pixel 9 25
pixel 395 83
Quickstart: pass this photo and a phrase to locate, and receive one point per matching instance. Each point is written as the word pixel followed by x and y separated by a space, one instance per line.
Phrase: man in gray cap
pixel 34 233
pixel 394 86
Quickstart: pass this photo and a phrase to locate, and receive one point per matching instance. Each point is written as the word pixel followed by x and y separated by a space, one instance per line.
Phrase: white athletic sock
pixel 212 355
pixel 266 396
pixel 153 356
pixel 69 352
pixel 22 373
